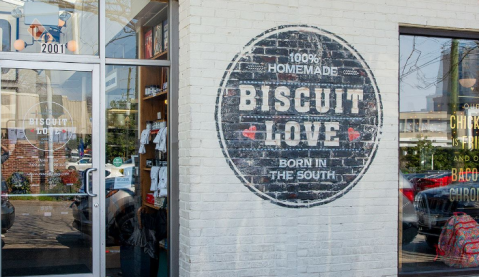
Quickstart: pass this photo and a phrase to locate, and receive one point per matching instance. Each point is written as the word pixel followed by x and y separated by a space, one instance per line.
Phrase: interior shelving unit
pixel 150 106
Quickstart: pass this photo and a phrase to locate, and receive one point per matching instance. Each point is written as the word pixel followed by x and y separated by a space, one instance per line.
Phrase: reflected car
pixel 113 168
pixel 433 180
pixel 435 206
pixel 409 216
pixel 8 210
pixel 74 157
pixel 80 165
pixel 120 209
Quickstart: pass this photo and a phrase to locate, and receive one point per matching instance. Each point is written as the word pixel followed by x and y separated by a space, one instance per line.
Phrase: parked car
pixel 435 206
pixel 8 210
pixel 409 216
pixel 120 209
pixel 80 165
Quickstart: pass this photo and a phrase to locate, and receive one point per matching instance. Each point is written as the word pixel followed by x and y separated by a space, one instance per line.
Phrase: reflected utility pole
pixel 50 115
pixel 453 86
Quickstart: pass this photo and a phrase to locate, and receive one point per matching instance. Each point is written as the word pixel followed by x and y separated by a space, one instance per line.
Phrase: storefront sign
pixel 47 124
pixel 299 116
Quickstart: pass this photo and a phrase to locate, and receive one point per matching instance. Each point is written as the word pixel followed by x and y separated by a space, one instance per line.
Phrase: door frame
pixel 100 59
pixel 98 123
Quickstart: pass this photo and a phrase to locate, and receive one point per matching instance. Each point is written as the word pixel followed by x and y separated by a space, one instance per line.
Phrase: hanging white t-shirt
pixel 144 139
pixel 154 178
pixel 161 146
pixel 163 182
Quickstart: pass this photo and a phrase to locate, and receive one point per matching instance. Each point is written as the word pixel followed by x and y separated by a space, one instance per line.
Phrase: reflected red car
pixel 432 181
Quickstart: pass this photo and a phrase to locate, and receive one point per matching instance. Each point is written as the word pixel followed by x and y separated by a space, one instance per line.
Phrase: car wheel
pixel 72 168
pixel 432 241
pixel 126 226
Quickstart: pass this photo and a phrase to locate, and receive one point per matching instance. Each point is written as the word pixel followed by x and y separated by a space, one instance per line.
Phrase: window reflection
pixel 50 27
pixel 136 29
pixel 439 156
pixel 135 114
pixel 46 146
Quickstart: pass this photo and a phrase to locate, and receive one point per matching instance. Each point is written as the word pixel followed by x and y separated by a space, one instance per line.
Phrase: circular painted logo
pixel 299 116
pixel 48 127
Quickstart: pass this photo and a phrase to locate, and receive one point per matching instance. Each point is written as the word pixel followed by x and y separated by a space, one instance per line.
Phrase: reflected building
pixel 433 122
pixel 31 128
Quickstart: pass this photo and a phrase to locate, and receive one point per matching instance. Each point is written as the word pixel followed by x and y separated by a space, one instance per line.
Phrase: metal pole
pixel 50 115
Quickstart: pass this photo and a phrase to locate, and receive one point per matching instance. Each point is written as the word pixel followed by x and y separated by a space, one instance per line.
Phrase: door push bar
pixel 87 183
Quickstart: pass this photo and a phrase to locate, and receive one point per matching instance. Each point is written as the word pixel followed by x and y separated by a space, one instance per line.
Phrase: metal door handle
pixel 87 182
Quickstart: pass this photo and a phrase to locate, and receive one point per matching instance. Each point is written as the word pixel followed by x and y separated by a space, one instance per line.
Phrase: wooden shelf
pixel 147 168
pixel 151 206
pixel 159 55
pixel 156 95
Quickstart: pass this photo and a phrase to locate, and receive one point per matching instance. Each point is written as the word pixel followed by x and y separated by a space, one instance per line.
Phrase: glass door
pixel 50 169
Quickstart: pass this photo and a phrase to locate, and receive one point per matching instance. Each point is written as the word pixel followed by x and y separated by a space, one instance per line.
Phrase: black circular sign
pixel 298 116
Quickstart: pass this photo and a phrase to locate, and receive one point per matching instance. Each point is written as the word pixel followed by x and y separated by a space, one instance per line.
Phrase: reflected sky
pixel 425 71
pixel 420 65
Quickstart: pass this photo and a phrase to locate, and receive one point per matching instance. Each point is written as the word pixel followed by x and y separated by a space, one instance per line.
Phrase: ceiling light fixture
pixel 467 82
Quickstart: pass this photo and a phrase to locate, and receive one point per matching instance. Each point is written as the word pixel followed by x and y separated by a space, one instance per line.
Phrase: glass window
pixel 136 153
pixel 49 26
pixel 137 29
pixel 439 156
pixel 46 129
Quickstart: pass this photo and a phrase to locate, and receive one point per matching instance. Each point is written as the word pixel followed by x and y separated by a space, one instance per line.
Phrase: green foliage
pixel 421 157
pixel 18 184
pixel 120 143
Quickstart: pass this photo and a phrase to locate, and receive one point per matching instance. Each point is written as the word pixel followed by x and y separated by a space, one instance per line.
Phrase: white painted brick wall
pixel 228 231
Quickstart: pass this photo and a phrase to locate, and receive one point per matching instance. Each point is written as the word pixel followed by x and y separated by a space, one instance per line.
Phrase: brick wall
pixel 225 229
pixel 26 159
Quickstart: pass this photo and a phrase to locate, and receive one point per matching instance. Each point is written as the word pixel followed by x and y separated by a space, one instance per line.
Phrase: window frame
pixel 410 30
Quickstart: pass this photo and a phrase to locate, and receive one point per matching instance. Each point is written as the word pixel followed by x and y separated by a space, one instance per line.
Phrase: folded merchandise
pixel 163 182
pixel 154 178
pixel 151 90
